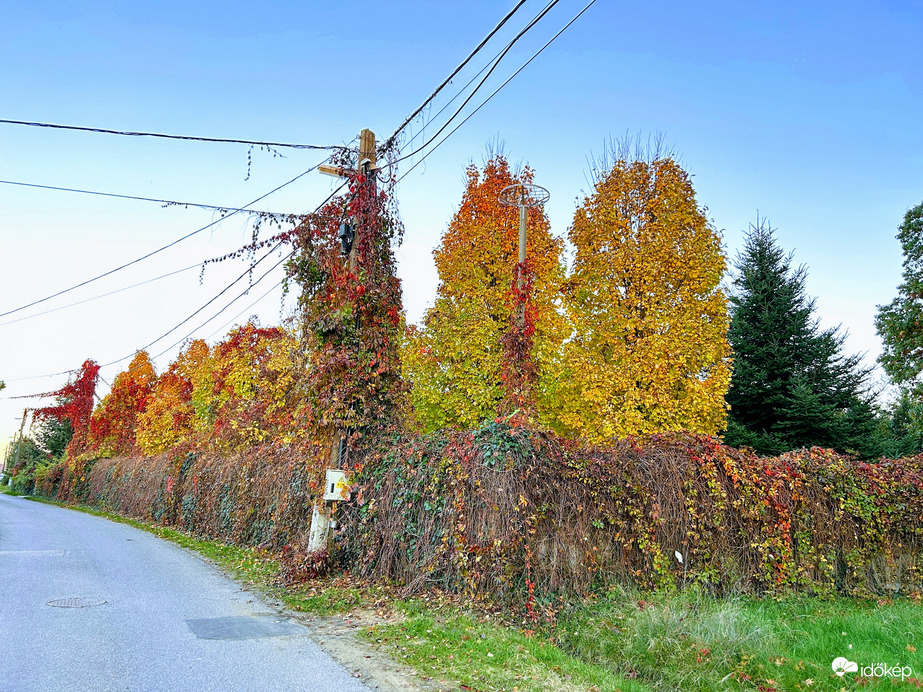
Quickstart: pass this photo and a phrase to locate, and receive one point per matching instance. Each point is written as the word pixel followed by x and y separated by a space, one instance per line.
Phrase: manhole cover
pixel 76 602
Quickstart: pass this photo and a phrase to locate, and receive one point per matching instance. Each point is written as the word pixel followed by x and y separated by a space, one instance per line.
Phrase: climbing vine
pixel 76 405
pixel 351 311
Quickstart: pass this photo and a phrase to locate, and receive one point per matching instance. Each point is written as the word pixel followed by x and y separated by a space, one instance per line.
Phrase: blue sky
pixel 808 113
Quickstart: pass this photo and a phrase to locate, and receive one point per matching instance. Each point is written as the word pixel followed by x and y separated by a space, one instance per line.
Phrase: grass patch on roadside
pixel 694 642
pixel 445 641
pixel 667 641
pixel 8 490
pixel 330 600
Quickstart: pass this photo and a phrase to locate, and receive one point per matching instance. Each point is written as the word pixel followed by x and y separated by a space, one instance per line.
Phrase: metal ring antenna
pixel 524 195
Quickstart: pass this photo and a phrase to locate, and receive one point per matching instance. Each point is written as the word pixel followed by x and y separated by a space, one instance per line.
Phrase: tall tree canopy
pixel 900 322
pixel 74 404
pixel 648 350
pixel 112 426
pixel 455 360
pixel 792 385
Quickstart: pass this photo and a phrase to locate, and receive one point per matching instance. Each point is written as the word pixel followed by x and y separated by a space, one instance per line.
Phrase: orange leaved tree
pixel 112 427
pixel 170 417
pixel 649 349
pixel 455 360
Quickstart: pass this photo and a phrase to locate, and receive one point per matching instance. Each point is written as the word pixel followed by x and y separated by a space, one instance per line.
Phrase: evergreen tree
pixel 53 436
pixel 792 386
pixel 899 428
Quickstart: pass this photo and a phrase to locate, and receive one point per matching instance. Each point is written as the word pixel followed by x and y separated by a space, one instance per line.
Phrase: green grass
pixel 680 641
pixel 444 641
pixel 693 642
pixel 7 489
pixel 623 640
pixel 329 600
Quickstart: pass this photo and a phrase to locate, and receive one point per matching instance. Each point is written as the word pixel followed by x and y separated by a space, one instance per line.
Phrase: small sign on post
pixel 335 487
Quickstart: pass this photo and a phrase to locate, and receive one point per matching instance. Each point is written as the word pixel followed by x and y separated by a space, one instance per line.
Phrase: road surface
pixel 88 604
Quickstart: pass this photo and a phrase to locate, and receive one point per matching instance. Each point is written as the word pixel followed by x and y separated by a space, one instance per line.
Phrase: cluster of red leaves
pixel 75 404
pixel 352 310
pixel 520 372
pixel 112 426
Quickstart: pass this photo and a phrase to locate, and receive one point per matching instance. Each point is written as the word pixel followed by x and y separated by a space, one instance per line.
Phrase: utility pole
pixel 335 479
pixel 365 166
pixel 22 426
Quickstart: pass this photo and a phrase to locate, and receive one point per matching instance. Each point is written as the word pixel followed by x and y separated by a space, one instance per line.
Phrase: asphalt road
pixel 88 604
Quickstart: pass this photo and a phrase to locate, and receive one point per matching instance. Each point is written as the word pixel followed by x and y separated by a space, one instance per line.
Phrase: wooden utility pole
pixel 22 426
pixel 322 518
pixel 365 166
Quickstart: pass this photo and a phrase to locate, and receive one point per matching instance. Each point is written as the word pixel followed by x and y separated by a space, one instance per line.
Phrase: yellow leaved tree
pixel 648 350
pixel 170 417
pixel 454 360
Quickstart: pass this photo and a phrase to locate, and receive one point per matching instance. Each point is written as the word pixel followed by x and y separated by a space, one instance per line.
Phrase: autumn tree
pixel 112 426
pixel 75 405
pixel 455 359
pixel 648 350
pixel 792 384
pixel 900 322
pixel 170 417
pixel 252 385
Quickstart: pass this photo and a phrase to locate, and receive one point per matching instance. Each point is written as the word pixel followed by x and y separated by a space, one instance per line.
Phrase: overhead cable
pixel 458 69
pixel 509 79
pixel 173 329
pixel 239 296
pixel 104 295
pixel 496 62
pixel 167 202
pixel 161 249
pixel 275 145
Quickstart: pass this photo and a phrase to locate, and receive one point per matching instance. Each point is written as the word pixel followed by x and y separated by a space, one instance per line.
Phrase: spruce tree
pixel 792 386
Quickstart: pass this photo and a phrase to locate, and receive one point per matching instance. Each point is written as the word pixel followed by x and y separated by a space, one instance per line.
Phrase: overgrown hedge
pixel 508 513
pixel 263 497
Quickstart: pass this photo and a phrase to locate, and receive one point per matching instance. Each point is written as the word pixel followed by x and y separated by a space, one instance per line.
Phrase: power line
pixel 167 202
pixel 103 295
pixel 220 293
pixel 458 69
pixel 497 90
pixel 249 270
pixel 239 296
pixel 173 329
pixel 453 99
pixel 249 307
pixel 100 130
pixel 496 62
pixel 161 249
